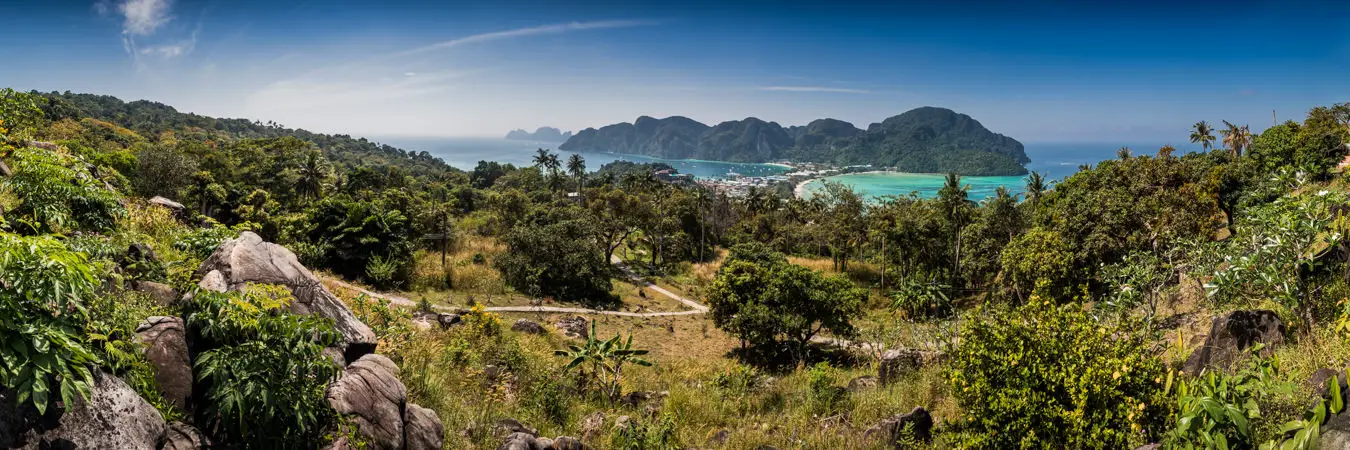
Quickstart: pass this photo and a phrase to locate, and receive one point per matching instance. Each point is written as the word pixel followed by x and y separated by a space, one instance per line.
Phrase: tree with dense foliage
pixel 551 254
pixel 765 301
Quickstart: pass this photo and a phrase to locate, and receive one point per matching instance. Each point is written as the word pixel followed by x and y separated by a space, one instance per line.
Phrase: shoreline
pixel 800 189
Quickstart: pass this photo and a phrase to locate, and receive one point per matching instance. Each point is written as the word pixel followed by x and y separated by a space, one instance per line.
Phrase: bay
pixel 1054 160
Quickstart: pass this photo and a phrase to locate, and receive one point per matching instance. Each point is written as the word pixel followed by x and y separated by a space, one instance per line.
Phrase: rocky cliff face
pixel 921 140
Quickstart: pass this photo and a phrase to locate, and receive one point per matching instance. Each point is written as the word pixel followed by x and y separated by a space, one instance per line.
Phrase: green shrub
pixel 638 436
pixel 1053 377
pixel 200 242
pixel 58 194
pixel 264 368
pixel 920 299
pixel 382 272
pixel 1222 410
pixel 43 289
pixel 825 397
pixel 111 330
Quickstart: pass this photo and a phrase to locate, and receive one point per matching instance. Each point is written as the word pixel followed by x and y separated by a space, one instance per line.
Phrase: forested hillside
pixel 922 140
pixel 187 282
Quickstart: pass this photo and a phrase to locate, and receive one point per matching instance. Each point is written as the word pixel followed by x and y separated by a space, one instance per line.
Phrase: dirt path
pixel 697 308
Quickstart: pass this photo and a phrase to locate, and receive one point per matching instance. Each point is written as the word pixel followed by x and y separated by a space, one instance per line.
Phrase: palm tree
pixel 1203 134
pixel 541 158
pixel 1123 153
pixel 313 173
pixel 1036 186
pixel 1236 138
pixel 553 166
pixel 576 165
pixel 955 199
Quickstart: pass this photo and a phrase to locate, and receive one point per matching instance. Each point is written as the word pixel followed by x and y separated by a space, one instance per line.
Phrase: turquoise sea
pixel 1056 160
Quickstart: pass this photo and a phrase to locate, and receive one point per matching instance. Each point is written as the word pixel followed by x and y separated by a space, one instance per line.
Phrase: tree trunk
pixel 883 261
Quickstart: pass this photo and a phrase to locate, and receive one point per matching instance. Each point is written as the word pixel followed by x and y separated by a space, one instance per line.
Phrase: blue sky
pixel 1037 71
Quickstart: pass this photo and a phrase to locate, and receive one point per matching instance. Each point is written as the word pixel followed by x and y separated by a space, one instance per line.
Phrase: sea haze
pixel 1055 159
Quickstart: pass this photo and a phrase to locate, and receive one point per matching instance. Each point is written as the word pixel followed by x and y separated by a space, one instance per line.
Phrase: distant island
pixel 546 134
pixel 922 140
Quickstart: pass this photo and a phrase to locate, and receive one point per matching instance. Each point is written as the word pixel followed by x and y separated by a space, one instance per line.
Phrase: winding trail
pixel 696 307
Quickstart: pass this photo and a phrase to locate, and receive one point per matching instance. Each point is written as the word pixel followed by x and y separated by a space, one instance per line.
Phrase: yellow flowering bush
pixel 1043 376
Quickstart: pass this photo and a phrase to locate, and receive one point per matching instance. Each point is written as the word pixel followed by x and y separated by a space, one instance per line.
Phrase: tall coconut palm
pixel 1236 138
pixel 313 173
pixel 1203 134
pixel 1123 153
pixel 551 165
pixel 955 199
pixel 1036 186
pixel 541 158
pixel 576 166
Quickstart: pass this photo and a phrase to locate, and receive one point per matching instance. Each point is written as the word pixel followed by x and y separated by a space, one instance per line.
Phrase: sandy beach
pixel 801 186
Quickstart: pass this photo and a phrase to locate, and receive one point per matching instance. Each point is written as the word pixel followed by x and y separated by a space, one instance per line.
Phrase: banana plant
pixel 605 358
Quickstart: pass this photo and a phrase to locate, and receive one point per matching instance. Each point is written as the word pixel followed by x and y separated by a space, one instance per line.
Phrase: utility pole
pixel 1273 120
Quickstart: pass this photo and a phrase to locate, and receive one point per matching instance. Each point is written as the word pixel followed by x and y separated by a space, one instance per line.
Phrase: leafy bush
pixel 200 242
pixel 43 289
pixel 825 397
pixel 264 368
pixel 1220 410
pixel 382 272
pixel 638 436
pixel 111 330
pixel 1053 377
pixel 605 359
pixel 58 194
pixel 919 299
pixel 1280 248
pixel 739 380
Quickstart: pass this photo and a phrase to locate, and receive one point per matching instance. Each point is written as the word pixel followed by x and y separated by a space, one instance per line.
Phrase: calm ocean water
pixel 1056 160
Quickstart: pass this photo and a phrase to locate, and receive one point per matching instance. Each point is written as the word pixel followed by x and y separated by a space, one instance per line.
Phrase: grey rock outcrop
pixel 114 417
pixel 181 436
pixel 248 259
pixel 370 393
pixel 900 362
pixel 176 207
pixel 162 294
pixel 916 425
pixel 573 326
pixel 422 429
pixel 166 347
pixel 527 326
pixel 1230 337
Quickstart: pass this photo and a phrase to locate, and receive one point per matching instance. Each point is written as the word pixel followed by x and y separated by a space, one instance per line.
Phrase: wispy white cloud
pixel 143 17
pixel 169 51
pixel 814 89
pixel 531 31
pixel 141 20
